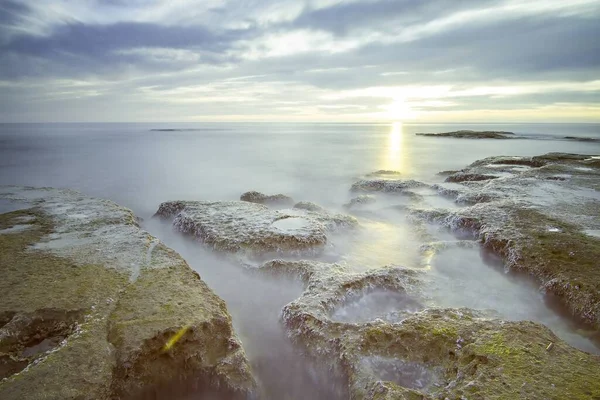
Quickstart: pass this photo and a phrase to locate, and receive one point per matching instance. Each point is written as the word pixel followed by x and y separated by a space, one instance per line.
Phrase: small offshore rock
pixel 309 206
pixel 582 139
pixel 469 134
pixel 260 198
pixel 363 199
pixel 383 173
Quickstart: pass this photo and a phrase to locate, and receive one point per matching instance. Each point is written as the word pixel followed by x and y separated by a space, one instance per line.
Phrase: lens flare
pixel 175 338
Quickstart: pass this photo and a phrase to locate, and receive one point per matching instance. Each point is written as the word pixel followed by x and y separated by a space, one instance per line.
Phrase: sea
pixel 140 165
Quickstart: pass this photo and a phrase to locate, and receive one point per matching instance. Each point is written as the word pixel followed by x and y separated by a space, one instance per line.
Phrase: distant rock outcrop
pixel 582 139
pixel 468 134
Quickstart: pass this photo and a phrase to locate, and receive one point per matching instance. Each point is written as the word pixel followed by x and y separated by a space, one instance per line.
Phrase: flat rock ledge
pixel 539 215
pixel 427 353
pixel 93 307
pixel 255 229
pixel 469 134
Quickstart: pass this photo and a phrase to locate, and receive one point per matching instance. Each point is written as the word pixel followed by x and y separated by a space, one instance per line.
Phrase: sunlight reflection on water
pixel 395 157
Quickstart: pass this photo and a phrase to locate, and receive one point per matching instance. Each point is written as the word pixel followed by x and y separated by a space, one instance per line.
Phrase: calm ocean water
pixel 139 168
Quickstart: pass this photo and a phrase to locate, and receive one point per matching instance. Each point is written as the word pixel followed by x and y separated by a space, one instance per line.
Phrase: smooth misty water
pixel 140 168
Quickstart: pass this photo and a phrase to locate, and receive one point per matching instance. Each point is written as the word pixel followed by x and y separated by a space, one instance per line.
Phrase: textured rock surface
pixel 386 185
pixel 93 307
pixel 466 177
pixel 238 226
pixel 309 206
pixel 260 198
pixel 537 222
pixel 468 134
pixel 435 353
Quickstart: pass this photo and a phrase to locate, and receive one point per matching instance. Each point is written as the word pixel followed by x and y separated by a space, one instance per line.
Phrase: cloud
pixel 312 59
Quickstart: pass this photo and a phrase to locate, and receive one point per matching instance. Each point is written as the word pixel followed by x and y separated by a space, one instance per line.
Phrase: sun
pixel 399 110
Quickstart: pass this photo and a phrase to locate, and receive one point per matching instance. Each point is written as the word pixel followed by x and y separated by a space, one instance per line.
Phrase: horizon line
pixel 300 122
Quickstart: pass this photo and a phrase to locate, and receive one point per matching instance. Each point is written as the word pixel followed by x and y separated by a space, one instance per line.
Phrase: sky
pixel 300 60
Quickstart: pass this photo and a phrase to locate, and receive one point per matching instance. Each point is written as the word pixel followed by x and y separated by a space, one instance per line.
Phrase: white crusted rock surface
pixel 94 307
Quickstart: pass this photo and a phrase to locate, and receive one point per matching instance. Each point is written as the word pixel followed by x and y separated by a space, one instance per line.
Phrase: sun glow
pixel 399 110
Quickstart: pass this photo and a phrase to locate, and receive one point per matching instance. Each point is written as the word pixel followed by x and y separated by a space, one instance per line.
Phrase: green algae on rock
pixel 435 353
pixel 90 302
pixel 538 222
pixel 469 134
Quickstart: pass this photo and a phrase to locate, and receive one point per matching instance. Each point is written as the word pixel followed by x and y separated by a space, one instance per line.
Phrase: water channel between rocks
pixel 457 274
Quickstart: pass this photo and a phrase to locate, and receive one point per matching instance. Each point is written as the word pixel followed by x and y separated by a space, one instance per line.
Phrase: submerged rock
pixel 435 353
pixel 383 173
pixel 361 200
pixel 93 307
pixel 260 198
pixel 468 134
pixel 238 226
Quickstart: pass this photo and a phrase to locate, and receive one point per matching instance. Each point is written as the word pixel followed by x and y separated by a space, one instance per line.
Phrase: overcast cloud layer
pixel 291 60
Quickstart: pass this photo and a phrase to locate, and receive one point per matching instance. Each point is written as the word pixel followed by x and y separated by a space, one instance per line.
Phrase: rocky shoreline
pixel 95 308
pixel 536 213
pixel 86 286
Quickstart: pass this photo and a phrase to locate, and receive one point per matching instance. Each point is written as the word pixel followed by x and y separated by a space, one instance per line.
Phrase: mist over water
pixel 255 302
pixel 139 168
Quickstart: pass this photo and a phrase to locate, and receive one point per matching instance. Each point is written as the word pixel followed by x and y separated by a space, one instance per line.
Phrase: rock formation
pixel 254 229
pixel 93 307
pixel 434 353
pixel 538 223
pixel 260 198
pixel 468 134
